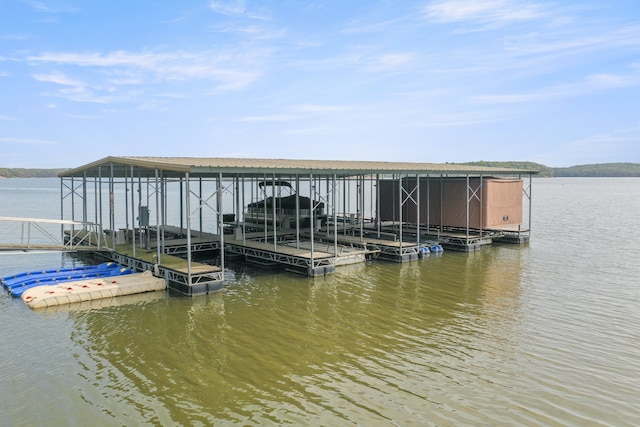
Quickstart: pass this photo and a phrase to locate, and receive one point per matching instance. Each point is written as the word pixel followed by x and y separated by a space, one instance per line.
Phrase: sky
pixel 554 82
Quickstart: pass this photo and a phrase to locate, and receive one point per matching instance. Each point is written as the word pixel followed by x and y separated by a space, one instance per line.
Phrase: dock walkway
pixel 388 249
pixel 300 260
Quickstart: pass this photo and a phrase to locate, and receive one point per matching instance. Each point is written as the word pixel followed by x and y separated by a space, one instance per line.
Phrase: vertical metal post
pixel 236 181
pixel 428 205
pixel 158 226
pixel 481 205
pixel 244 222
pixel 95 198
pixel 188 208
pixel 378 205
pixel 112 215
pixel 530 201
pixel 344 205
pixel 273 211
pixel 335 218
pixel 100 216
pixel 140 233
pixel 467 217
pixel 311 216
pixel 244 225
pixel 441 204
pixel 220 209
pixel 133 216
pixel 401 197
pixel 84 197
pixel 264 207
pixel 73 194
pixel 418 207
pixel 62 208
pixel 297 211
pixel 163 209
pixel 361 200
pixel 126 199
pixel 182 205
pixel 200 204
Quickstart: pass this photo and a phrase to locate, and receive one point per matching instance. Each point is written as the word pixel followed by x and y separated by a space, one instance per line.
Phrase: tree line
pixel 593 170
pixel 29 173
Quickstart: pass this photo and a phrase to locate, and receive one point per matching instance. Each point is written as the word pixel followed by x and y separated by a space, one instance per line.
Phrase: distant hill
pixel 29 173
pixel 602 169
pixel 542 169
pixel 595 170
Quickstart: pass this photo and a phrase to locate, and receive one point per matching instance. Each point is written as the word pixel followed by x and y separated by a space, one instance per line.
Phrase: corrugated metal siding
pixel 203 165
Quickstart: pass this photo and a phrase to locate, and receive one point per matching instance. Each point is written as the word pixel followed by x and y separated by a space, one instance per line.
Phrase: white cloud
pixel 270 118
pixel 58 78
pixel 229 7
pixel 16 37
pixel 589 84
pixel 448 11
pixel 313 108
pixel 50 6
pixel 26 141
pixel 576 41
pixel 8 118
pixel 298 112
pixel 229 71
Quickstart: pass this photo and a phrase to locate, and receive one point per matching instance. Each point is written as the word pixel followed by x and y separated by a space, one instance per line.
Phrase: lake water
pixel 541 334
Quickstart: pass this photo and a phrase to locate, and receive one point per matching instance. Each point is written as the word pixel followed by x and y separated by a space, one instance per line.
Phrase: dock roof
pixel 211 166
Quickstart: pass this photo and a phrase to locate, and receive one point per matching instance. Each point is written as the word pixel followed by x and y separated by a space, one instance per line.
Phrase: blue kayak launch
pixel 18 283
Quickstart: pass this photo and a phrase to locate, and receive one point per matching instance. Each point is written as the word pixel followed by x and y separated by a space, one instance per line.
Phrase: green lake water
pixel 546 333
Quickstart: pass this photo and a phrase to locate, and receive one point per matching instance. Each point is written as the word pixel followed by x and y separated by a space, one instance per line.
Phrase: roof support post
pixel 428 204
pixel 311 215
pixel 418 232
pixel 378 205
pixel 112 217
pixel 200 203
pixel 220 207
pixel 344 205
pixel 297 211
pixel 273 211
pixel 84 197
pixel 188 206
pixel 264 208
pixel 133 215
pixel 361 208
pixel 62 208
pixel 467 212
pixel 530 200
pixel 244 225
pixel 401 200
pixel 182 205
pixel 163 208
pixel 335 218
pixel 479 197
pixel 158 227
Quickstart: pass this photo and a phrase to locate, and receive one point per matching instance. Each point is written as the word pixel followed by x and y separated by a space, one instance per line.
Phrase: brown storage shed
pixel 492 202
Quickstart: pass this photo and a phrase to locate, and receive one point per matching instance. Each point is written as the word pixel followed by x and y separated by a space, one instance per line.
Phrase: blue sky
pixel 555 82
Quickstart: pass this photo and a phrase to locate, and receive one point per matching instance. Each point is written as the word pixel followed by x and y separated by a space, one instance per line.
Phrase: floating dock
pixel 92 289
pixel 156 214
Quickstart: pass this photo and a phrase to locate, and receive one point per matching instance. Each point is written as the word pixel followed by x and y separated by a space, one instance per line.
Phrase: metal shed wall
pixel 493 202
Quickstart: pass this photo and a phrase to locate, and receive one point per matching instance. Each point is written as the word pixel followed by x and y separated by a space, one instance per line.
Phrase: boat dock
pixel 307 216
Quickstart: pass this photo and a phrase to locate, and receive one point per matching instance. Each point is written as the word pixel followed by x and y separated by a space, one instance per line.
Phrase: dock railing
pixel 50 234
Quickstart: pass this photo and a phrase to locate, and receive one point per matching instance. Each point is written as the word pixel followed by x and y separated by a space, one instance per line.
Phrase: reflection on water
pixel 540 334
pixel 370 343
